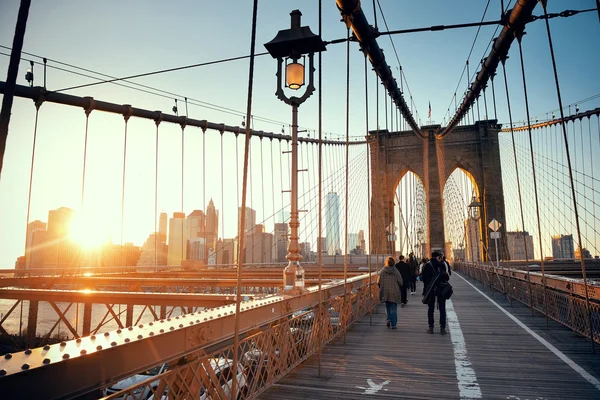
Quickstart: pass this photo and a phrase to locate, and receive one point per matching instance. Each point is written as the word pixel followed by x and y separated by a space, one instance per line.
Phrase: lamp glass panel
pixel 294 75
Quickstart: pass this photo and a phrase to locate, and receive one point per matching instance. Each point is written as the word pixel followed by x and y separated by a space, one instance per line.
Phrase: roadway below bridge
pixel 494 350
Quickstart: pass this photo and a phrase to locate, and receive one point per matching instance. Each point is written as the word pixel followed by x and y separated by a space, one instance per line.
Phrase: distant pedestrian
pixel 413 265
pixel 404 270
pixel 434 275
pixel 389 283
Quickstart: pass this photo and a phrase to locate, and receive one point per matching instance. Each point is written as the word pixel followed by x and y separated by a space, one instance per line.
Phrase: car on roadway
pixel 143 392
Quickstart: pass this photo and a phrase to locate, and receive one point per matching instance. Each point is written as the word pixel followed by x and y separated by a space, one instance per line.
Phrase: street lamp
pixel 475 213
pixel 292 45
pixel 420 239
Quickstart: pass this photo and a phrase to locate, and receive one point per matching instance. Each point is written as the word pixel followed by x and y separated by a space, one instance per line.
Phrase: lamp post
pixel 420 239
pixel 293 45
pixel 475 214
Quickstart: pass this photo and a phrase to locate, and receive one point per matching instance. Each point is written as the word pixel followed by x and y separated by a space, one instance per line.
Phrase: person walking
pixel 434 273
pixel 404 270
pixel 413 265
pixel 389 283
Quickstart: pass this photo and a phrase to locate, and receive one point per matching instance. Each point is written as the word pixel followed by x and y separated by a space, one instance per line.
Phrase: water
pixel 47 317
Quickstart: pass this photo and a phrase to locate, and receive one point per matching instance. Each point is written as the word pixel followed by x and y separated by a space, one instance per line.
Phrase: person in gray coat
pixel 390 282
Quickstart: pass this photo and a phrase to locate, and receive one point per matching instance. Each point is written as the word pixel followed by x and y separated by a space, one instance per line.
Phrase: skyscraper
pixel 249 219
pixel 352 241
pixel 516 245
pixel 281 241
pixel 35 243
pixel 361 242
pixel 562 247
pixel 61 252
pixel 178 237
pixel 162 226
pixel 212 219
pixel 332 214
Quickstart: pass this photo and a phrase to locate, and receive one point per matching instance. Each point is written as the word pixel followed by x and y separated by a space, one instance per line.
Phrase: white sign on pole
pixel 495 225
pixel 495 235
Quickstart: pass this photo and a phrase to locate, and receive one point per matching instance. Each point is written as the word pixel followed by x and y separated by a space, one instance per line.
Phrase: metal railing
pixel 563 299
pixel 277 333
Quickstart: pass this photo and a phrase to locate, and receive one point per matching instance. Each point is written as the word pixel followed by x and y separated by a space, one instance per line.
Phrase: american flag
pixel 429 113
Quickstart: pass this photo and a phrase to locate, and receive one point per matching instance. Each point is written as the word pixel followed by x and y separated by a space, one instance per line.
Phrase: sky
pixel 122 38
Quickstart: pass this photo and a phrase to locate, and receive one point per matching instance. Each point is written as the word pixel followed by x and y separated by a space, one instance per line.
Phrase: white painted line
pixel 467 380
pixel 543 341
pixel 373 387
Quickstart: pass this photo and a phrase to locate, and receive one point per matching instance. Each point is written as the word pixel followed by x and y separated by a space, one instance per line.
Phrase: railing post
pixel 87 319
pixel 129 315
pixel 32 322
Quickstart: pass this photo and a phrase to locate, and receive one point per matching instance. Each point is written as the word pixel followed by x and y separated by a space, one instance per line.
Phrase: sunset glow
pixel 89 231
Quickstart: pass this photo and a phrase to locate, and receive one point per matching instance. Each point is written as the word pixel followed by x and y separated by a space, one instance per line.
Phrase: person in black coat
pixel 430 270
pixel 404 270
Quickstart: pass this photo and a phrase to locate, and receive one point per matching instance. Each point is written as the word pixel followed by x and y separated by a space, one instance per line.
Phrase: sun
pixel 88 230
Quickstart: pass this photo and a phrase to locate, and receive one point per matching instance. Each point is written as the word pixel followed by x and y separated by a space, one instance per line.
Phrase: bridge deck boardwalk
pixel 508 362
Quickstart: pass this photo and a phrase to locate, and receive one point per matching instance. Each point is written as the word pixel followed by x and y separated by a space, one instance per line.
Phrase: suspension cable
pixel 518 182
pixel 583 271
pixel 28 249
pixel 535 190
pixel 242 214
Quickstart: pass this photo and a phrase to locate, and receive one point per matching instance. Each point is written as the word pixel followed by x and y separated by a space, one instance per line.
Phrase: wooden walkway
pixel 485 355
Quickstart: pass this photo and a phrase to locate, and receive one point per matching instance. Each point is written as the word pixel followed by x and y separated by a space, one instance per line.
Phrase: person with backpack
pixel 404 270
pixel 390 282
pixel 436 289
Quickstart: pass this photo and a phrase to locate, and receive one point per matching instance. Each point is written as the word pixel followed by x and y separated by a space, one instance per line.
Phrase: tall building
pixel 61 251
pixel 305 251
pixel 153 251
pixel 332 224
pixel 178 237
pixel 515 242
pixel 323 241
pixel 196 250
pixel 162 226
pixel 586 253
pixel 473 247
pixel 249 219
pixel 227 251
pixel 258 246
pixel 562 247
pixel 361 242
pixel 281 241
pixel 35 245
pixel 212 227
pixel 352 242
pixel 196 224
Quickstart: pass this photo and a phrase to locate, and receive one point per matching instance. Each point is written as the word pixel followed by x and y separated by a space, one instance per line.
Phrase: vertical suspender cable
pixel 368 190
pixel 320 229
pixel 347 158
pixel 371 241
pixel 562 123
pixel 183 240
pixel 157 123
pixel 126 117
pixel 230 262
pixel 28 250
pixel 537 206
pixel 243 211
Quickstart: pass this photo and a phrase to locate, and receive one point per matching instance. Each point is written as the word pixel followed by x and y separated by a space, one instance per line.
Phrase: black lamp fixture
pixel 475 208
pixel 29 74
pixel 293 45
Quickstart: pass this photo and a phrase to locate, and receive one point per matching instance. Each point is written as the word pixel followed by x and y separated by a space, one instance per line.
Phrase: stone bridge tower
pixel 473 148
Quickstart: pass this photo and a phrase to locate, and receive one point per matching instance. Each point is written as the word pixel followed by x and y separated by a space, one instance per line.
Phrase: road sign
pixel 391 227
pixel 495 225
pixel 495 235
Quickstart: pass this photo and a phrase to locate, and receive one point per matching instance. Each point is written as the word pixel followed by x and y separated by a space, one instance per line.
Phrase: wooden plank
pixel 506 359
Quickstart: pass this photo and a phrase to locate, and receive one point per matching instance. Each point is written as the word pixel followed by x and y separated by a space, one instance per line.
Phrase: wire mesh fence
pixel 566 308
